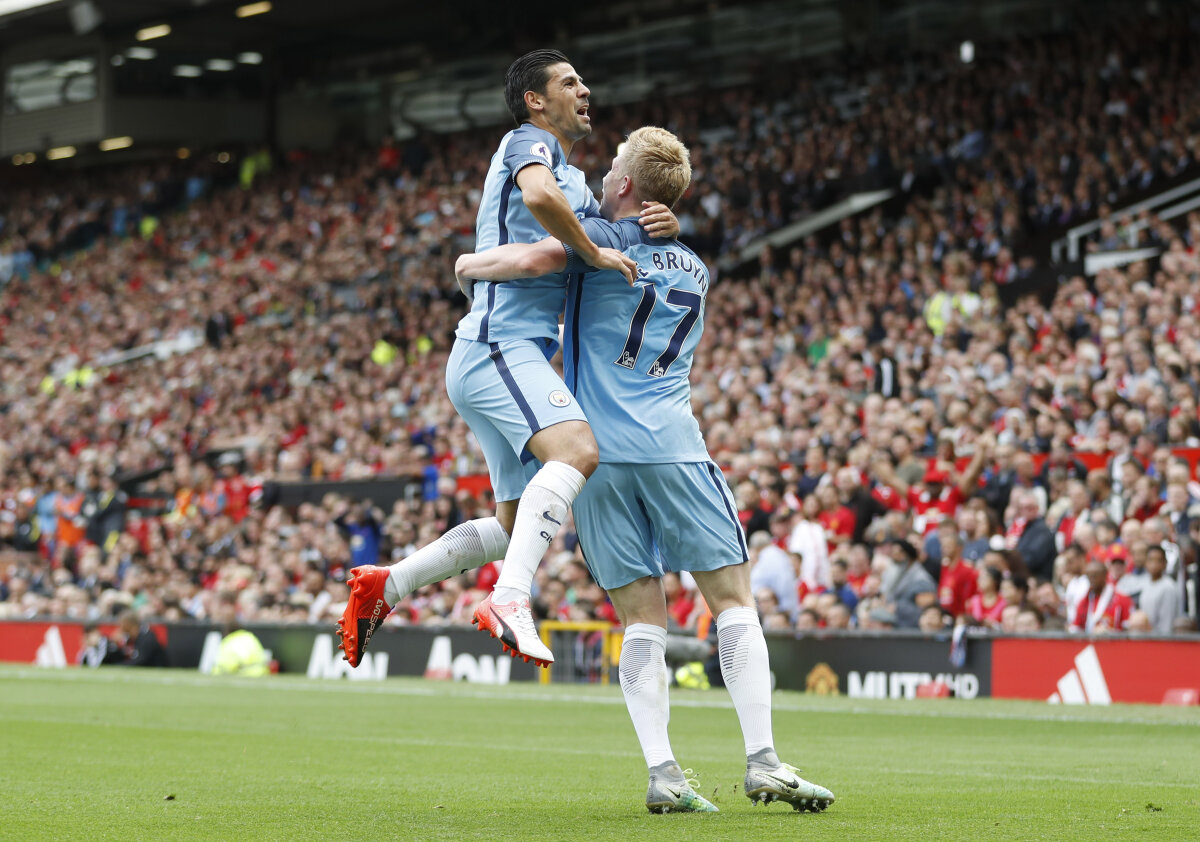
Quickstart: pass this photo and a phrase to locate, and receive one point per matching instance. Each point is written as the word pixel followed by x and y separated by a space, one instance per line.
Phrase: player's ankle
pixel 503 596
pixel 764 757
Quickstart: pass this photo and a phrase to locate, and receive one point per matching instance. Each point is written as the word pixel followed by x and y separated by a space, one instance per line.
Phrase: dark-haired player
pixel 499 376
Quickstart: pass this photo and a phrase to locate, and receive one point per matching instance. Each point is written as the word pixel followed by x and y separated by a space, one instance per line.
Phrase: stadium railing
pixel 584 652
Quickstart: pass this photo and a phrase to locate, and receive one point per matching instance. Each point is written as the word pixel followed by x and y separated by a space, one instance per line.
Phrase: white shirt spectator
pixel 808 541
pixel 1076 591
pixel 1160 600
pixel 775 570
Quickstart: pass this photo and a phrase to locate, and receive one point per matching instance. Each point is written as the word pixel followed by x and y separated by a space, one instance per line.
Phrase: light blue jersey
pixel 629 350
pixel 525 309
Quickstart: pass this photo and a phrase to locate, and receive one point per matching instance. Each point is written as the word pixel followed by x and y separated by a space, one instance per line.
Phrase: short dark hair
pixel 997 576
pixel 528 73
pixel 1156 548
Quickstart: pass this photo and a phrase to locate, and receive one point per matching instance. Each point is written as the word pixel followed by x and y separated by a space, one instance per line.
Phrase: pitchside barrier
pixel 584 652
pixel 1069 669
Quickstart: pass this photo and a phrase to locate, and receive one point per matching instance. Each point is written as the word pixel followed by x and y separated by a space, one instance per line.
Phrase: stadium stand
pixel 180 338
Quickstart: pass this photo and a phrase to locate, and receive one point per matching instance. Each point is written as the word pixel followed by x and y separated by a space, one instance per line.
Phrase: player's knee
pixel 506 513
pixel 571 442
pixel 582 452
pixel 587 455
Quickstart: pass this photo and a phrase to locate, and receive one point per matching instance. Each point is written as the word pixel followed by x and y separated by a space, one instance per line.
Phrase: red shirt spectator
pixel 890 498
pixel 959 580
pixel 935 502
pixel 1108 610
pixel 681 607
pixel 839 521
pixel 985 614
pixel 956 585
pixel 987 606
pixel 1104 608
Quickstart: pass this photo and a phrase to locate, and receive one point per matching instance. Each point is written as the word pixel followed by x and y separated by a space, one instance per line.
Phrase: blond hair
pixel 658 164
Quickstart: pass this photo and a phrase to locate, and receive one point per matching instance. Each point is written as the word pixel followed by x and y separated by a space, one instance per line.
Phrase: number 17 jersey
pixel 627 352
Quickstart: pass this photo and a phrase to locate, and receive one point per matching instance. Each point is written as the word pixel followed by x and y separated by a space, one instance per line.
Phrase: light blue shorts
pixel 638 520
pixel 506 392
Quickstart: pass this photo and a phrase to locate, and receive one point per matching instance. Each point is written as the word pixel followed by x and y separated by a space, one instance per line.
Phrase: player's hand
pixel 613 259
pixel 659 221
pixel 465 284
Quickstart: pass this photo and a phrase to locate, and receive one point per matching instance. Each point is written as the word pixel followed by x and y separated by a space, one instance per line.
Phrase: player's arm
pixel 551 209
pixel 512 261
pixel 516 260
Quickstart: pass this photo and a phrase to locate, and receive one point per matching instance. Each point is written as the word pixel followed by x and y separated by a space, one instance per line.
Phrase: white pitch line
pixel 954 709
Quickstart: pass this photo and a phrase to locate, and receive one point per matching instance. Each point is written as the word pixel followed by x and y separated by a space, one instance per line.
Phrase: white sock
pixel 467 546
pixel 747 672
pixel 542 510
pixel 643 670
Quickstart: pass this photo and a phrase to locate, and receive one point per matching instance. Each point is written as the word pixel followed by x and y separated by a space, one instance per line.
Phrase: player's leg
pixel 539 417
pixel 374 590
pixel 568 453
pixel 697 527
pixel 641 606
pixel 615 538
pixel 746 669
pixel 476 542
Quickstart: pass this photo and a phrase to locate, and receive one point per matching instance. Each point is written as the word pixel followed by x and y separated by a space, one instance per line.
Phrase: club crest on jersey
pixel 542 151
pixel 559 398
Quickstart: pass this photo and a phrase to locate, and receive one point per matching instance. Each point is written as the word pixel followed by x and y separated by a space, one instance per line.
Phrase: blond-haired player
pixel 656 502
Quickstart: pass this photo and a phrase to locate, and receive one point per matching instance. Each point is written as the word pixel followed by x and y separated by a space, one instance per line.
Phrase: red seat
pixel 1182 696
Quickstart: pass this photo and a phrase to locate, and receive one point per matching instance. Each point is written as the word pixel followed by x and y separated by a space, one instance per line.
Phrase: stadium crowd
pixel 906 451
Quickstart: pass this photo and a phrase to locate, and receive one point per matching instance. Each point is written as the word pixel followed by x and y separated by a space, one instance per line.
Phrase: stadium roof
pixel 341 38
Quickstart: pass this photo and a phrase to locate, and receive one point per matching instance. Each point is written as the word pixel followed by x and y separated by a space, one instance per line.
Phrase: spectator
pixel 775 570
pixel 839 617
pixel 241 654
pixel 680 601
pixel 807 620
pixel 137 644
pixel 911 590
pixel 987 606
pixel 836 518
pixel 362 523
pixel 976 532
pixel 1014 591
pixel 957 580
pixel 807 540
pixel 97 649
pixel 104 508
pixel 840 585
pixel 1104 609
pixel 1159 598
pixel 1027 621
pixel 1035 542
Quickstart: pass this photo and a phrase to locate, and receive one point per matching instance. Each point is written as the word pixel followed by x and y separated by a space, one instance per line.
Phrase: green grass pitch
pixel 155 755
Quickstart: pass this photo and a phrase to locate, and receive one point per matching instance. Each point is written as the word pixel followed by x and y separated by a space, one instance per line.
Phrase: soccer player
pixel 656 502
pixel 499 376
